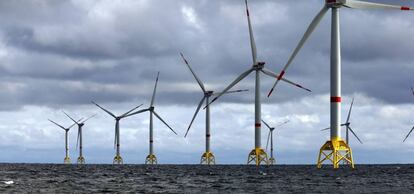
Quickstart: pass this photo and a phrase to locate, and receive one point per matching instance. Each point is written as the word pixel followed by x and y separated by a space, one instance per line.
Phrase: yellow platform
pixel 257 156
pixel 335 152
pixel 81 160
pixel 208 158
pixel 66 160
pixel 118 160
pixel 151 159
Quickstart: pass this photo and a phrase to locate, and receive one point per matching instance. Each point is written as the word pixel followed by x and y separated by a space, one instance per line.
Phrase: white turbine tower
pixel 334 150
pixel 409 133
pixel 270 137
pixel 207 157
pixel 117 158
pixel 66 160
pixel 80 123
pixel 257 155
pixel 348 127
pixel 151 158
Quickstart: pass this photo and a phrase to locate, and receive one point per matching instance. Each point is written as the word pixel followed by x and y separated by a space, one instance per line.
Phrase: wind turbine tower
pixel 117 143
pixel 81 159
pixel 270 137
pixel 207 157
pixel 151 158
pixel 334 150
pixel 257 155
pixel 66 160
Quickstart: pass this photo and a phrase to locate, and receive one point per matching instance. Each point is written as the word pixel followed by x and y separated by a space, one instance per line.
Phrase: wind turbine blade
pixel 350 109
pixel 252 41
pixel 237 80
pixel 125 114
pixel 266 124
pixel 283 123
pixel 164 122
pixel 229 92
pixel 195 76
pixel 104 109
pixel 305 37
pixel 57 124
pixel 325 129
pixel 271 74
pixel 70 117
pixel 195 115
pixel 369 5
pixel 352 131
pixel 138 112
pixel 412 90
pixel 268 138
pixel 408 134
pixel 155 89
pixel 89 118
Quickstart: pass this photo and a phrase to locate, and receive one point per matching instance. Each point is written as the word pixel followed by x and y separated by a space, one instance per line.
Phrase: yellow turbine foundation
pixel 272 161
pixel 151 159
pixel 257 156
pixel 208 158
pixel 118 160
pixel 81 160
pixel 335 152
pixel 66 160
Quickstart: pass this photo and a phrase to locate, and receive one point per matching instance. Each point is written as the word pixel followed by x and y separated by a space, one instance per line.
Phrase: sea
pixel 99 178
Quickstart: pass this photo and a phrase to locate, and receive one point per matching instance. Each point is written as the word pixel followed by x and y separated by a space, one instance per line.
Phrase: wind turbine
pixel 335 150
pixel 117 158
pixel 66 160
pixel 347 125
pixel 412 90
pixel 257 155
pixel 270 137
pixel 80 123
pixel 207 157
pixel 151 158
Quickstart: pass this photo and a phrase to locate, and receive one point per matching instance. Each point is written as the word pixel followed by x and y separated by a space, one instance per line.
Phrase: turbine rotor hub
pixel 259 65
pixel 209 93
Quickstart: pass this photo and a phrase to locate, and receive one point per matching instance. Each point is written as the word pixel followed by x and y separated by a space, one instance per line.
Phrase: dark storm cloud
pixel 70 52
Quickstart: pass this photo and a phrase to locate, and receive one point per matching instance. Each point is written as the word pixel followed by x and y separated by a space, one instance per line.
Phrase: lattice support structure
pixel 335 152
pixel 272 161
pixel 66 160
pixel 208 158
pixel 81 160
pixel 151 159
pixel 118 160
pixel 257 156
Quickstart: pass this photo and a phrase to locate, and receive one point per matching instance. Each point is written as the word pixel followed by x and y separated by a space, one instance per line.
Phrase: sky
pixel 60 55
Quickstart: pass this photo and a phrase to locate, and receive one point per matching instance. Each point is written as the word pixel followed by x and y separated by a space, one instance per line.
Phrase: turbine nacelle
pixel 209 93
pixel 335 3
pixel 259 65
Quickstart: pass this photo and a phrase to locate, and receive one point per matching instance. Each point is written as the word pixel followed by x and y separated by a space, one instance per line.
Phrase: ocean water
pixel 59 178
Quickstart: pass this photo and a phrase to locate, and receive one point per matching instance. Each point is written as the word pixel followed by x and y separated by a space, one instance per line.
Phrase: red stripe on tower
pixel 336 99
pixel 281 75
pixel 405 8
pixel 257 125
